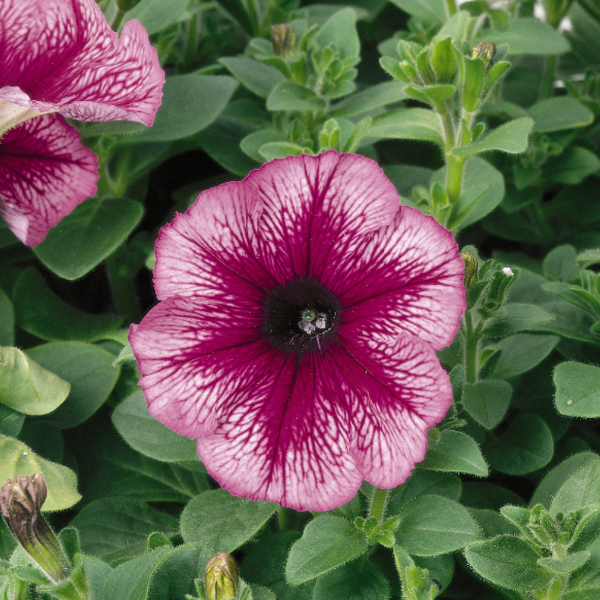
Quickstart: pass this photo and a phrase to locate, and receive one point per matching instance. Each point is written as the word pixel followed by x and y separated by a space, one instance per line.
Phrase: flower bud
pixel 485 51
pixel 221 577
pixel 21 499
pixel 283 37
pixel 470 268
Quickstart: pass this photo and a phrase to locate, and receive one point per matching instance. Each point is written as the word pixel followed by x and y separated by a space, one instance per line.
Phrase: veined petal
pixel 315 204
pixel 284 439
pixel 406 277
pixel 45 172
pixel 210 250
pixel 394 390
pixel 194 355
pixel 61 55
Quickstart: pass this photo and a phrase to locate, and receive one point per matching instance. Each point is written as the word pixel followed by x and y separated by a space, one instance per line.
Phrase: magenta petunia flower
pixel 300 310
pixel 61 56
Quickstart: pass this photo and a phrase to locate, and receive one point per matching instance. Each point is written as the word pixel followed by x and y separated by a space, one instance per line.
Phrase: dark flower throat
pixel 300 316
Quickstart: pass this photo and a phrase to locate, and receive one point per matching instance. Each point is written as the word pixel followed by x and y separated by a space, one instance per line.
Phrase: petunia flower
pixel 300 310
pixel 60 56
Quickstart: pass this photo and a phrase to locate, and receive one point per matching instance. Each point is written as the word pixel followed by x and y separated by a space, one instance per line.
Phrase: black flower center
pixel 300 316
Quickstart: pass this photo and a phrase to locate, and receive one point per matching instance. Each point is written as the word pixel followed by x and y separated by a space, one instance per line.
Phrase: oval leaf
pixel 328 542
pixel 148 435
pixel 91 233
pixel 27 387
pixel 577 389
pixel 223 522
pixel 512 137
pixel 433 525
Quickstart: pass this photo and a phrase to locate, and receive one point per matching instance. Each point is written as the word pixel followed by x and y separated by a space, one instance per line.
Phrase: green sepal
pixel 394 68
pixel 443 60
pixel 474 78
pixel 493 75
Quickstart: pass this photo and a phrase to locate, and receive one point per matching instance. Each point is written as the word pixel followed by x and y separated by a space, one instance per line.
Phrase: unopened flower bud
pixel 21 499
pixel 485 51
pixel 283 37
pixel 221 577
pixel 470 268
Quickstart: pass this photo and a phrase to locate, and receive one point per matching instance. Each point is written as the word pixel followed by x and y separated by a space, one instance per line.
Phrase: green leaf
pixel 130 580
pixel 109 467
pixel 509 562
pixel 558 113
pixel 115 529
pixel 492 523
pixel 455 452
pixel 487 401
pixel 572 166
pixel 17 459
pixel 260 78
pixel 281 150
pixel 517 318
pixel 96 571
pixel 7 320
pixel 340 30
pixel 521 352
pixel 375 96
pixel 11 421
pixel 288 95
pixel 148 435
pixel 83 239
pixel 433 525
pixel 526 446
pixel 328 542
pixel 529 36
pixel 252 143
pixel 27 387
pixel 223 522
pixel 408 124
pixel 88 368
pixel 174 578
pixel 430 11
pixel 156 15
pixel 421 483
pixel 565 565
pixel 577 389
pixel 190 104
pixel 552 482
pixel 265 565
pixel 581 489
pixel 512 137
pixel 41 312
pixel 353 582
pixel 561 263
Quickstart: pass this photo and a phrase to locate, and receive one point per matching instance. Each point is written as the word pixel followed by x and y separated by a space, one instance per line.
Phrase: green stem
pixel 548 79
pixel 118 20
pixel 454 176
pixel 285 518
pixel 451 7
pixel 472 349
pixel 537 214
pixel 122 289
pixel 378 503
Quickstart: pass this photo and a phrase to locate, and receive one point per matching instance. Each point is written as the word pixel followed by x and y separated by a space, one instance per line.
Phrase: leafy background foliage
pixel 502 151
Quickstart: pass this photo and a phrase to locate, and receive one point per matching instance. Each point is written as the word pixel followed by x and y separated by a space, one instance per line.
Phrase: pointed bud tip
pixel 221 577
pixel 470 268
pixel 283 37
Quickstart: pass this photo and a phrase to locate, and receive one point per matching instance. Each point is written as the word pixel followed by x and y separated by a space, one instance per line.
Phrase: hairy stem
pixel 548 79
pixel 471 350
pixel 378 503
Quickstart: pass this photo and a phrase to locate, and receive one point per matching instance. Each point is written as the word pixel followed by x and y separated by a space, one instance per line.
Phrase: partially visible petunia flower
pixel 60 56
pixel 299 313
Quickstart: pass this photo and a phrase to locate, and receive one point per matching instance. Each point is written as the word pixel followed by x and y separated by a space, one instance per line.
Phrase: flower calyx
pixel 21 499
pixel 378 533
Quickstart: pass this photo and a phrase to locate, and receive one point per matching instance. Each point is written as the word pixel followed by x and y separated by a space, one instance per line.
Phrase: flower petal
pixel 284 440
pixel 62 55
pixel 406 277
pixel 193 355
pixel 45 172
pixel 394 390
pixel 209 250
pixel 313 204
